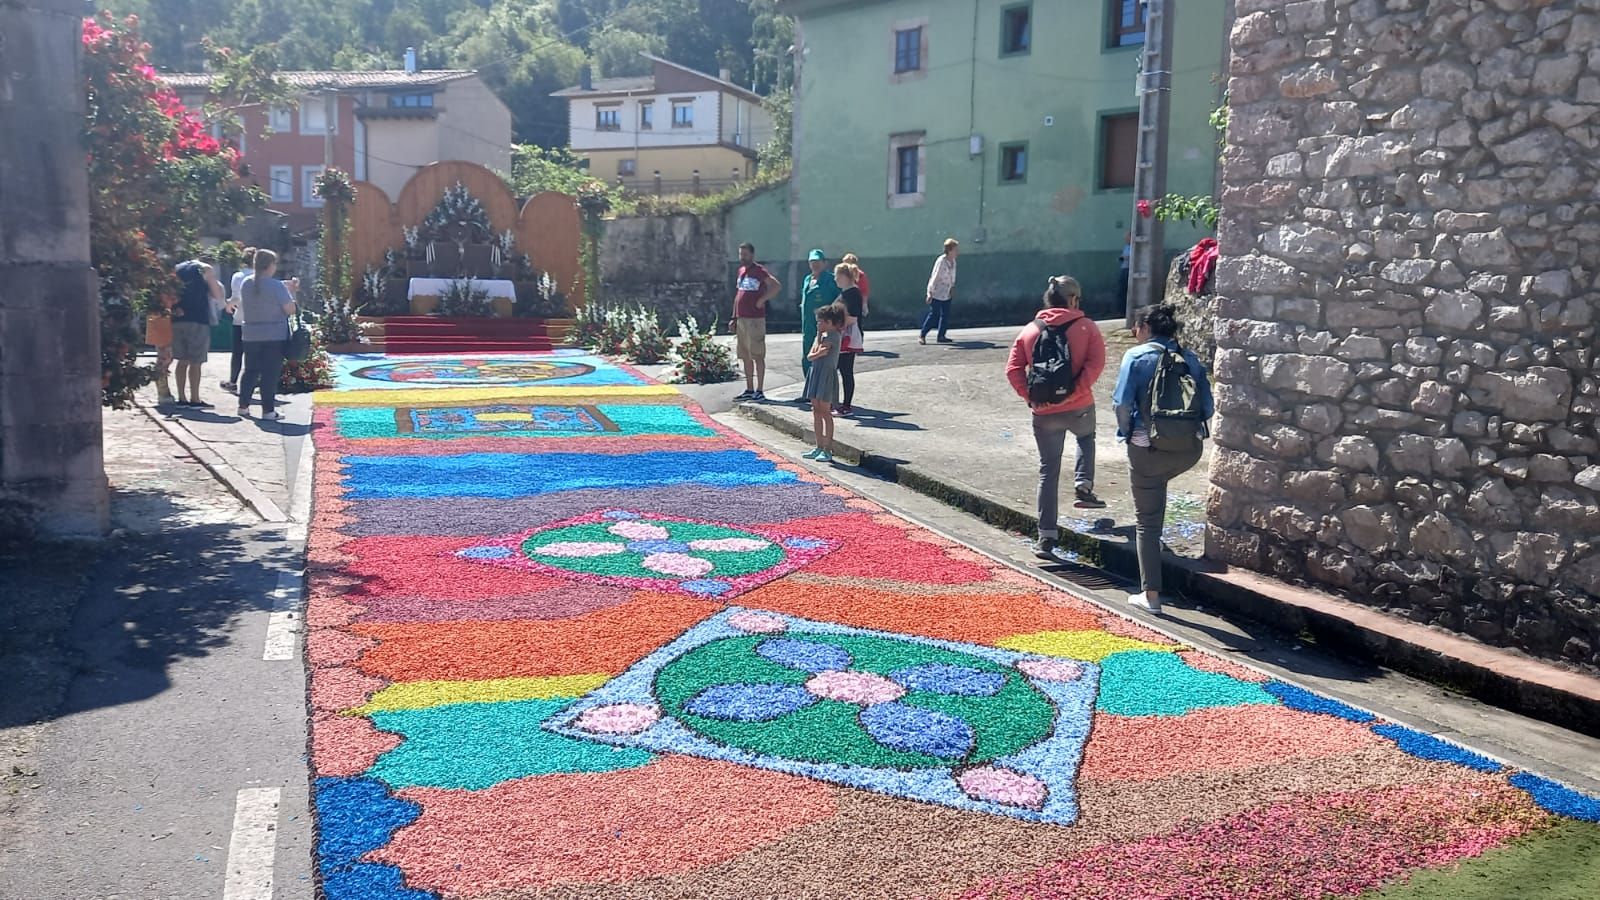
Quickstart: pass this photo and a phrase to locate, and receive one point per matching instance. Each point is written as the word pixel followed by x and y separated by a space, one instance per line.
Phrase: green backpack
pixel 1171 405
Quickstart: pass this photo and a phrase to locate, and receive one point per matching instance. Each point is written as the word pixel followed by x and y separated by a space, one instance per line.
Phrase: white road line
pixel 300 504
pixel 254 844
pixel 283 624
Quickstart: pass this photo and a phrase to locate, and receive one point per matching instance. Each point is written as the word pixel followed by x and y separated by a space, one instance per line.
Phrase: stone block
pixel 1354 452
pixel 1533 557
pixel 1488 249
pixel 1410 453
pixel 1459 311
pixel 1440 538
pixel 1235 469
pixel 1319 376
pixel 1433 399
pixel 1545 467
pixel 1374 529
pixel 1539 394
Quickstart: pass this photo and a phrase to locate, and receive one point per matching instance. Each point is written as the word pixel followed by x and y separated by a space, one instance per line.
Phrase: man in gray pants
pixel 1071 411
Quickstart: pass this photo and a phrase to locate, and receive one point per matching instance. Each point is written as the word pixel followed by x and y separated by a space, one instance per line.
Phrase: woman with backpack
pixel 1054 364
pixel 1163 403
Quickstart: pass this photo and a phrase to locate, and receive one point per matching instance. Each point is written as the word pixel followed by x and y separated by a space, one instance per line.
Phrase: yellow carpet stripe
pixel 426 694
pixel 1089 646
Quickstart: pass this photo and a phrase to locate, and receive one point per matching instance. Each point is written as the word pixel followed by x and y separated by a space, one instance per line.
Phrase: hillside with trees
pixel 525 49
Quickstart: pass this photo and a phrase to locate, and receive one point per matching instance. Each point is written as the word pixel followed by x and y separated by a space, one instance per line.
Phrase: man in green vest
pixel 817 291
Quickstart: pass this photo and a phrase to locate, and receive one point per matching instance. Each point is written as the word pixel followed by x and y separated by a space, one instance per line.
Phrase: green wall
pixel 1014 236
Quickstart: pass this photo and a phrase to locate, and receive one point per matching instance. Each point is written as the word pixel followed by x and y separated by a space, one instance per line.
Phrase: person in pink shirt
pixel 1054 364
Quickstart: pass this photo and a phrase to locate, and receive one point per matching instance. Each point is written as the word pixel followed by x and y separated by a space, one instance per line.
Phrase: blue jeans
pixel 938 317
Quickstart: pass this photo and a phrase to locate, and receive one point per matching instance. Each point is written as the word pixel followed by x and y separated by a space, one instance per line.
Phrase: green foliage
pixel 525 49
pixel 535 170
pixel 709 204
pixel 1200 210
pixel 699 358
pixel 157 179
pixel 777 154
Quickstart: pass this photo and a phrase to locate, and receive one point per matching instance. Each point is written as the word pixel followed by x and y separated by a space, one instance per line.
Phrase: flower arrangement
pixel 589 326
pixel 699 358
pixel 463 297
pixel 645 342
pixel 337 324
pixel 541 299
pixel 457 208
pixel 413 236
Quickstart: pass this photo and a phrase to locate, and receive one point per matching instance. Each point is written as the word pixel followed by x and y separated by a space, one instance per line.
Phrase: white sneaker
pixel 1140 601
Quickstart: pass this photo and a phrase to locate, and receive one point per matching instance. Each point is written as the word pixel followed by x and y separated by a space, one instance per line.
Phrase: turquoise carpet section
pixel 507 475
pixel 479 745
pixel 1150 683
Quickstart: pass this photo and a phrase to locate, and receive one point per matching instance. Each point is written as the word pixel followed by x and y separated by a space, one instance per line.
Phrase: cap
pixel 817 255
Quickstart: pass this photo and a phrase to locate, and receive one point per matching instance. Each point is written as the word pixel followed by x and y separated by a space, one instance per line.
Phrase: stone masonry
pixel 50 448
pixel 1406 366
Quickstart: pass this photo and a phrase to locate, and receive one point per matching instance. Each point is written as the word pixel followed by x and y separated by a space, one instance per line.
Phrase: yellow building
pixel 670 131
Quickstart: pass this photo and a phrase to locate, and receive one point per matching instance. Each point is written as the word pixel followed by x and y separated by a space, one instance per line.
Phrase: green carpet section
pixel 1561 863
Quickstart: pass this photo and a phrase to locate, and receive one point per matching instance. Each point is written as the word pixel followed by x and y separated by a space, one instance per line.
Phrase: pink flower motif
pixel 863 688
pixel 757 623
pixel 993 784
pixel 729 545
pixel 618 718
pixel 580 548
pixel 639 531
pixel 678 564
pixel 1050 669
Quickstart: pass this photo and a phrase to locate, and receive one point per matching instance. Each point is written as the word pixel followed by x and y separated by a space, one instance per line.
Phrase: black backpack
pixel 1171 405
pixel 1050 376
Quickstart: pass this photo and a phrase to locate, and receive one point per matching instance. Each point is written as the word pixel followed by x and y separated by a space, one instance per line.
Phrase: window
pixel 282 184
pixel 908 166
pixel 627 167
pixel 907 50
pixel 647 116
pixel 411 101
pixel 683 114
pixel 608 118
pixel 1016 29
pixel 1119 150
pixel 1013 163
pixel 278 119
pixel 1127 23
pixel 314 116
pixel 308 186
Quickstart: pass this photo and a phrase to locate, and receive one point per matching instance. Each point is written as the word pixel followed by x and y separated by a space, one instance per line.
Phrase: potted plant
pixel 463 298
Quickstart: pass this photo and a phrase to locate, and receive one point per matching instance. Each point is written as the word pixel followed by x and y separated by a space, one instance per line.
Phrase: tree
pixel 157 178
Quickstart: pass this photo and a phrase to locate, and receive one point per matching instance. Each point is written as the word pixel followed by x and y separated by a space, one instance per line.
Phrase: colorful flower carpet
pixel 569 637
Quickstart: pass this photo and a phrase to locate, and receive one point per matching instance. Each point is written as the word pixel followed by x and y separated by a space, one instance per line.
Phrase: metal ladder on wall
pixel 1145 282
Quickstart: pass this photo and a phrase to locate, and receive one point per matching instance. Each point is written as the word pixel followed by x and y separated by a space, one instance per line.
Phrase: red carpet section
pixel 408 335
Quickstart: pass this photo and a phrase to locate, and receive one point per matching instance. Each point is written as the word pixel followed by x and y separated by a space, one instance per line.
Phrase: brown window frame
pixel 1103 176
pixel 1118 34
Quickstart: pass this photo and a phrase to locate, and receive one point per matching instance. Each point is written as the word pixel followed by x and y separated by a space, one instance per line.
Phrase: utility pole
pixel 1145 280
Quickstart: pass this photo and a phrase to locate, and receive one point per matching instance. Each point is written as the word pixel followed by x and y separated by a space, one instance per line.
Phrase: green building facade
pixel 1007 125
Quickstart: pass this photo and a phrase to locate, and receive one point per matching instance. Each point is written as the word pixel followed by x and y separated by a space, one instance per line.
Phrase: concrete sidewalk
pixel 258 461
pixel 947 410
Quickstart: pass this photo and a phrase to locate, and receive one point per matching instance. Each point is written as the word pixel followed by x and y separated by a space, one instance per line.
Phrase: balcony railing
pixel 666 187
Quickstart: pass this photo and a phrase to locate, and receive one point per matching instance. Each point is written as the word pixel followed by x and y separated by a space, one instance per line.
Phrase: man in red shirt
pixel 1074 413
pixel 755 286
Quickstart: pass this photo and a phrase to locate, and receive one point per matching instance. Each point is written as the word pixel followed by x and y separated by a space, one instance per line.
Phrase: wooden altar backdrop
pixel 547 225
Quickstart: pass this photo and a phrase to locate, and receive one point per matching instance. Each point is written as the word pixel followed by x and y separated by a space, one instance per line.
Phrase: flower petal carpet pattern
pixel 571 637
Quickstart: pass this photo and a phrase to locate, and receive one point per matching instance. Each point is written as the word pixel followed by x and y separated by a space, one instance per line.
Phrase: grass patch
pixel 1560 863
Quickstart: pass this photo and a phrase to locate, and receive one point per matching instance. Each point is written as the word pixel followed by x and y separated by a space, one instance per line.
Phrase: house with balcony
pixel 675 130
pixel 1011 125
pixel 379 126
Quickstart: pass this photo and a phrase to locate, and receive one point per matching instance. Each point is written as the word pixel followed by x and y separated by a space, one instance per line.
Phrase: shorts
pixel 191 342
pixel 751 338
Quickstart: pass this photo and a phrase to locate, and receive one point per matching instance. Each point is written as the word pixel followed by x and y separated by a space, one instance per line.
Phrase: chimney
pixel 725 74
pixel 586 77
pixel 411 60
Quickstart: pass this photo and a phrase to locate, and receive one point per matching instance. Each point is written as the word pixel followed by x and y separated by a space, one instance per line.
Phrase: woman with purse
pixel 267 303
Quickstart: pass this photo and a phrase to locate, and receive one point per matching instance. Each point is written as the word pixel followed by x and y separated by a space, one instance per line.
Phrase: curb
pixel 1495 676
pixel 226 475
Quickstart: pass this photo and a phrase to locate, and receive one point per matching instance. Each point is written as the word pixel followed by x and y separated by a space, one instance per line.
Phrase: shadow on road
pixel 875 418
pixel 93 625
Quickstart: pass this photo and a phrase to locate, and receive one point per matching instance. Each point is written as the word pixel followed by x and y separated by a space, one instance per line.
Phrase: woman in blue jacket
pixel 1153 463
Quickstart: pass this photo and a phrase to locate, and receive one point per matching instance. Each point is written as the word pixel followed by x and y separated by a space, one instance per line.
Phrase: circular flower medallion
pixel 851 699
pixel 459 372
pixel 701 557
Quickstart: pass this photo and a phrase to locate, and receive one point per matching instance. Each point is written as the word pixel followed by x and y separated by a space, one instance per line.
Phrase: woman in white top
pixel 246 269
pixel 941 285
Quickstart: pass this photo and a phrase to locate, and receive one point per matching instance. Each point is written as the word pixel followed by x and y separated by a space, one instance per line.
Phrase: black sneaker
pixel 744 395
pixel 1087 500
pixel 758 397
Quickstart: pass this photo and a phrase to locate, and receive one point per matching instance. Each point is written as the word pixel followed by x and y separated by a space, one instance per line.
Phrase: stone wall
pixel 676 265
pixel 1406 366
pixel 50 450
